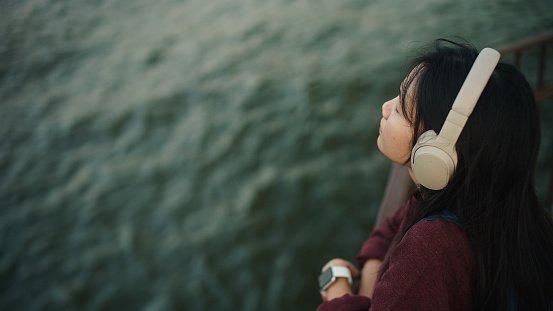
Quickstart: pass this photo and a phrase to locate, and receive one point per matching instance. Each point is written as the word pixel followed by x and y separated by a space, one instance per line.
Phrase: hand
pixel 341 286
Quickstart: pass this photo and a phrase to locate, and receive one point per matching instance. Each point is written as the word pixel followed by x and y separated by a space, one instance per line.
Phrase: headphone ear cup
pixel 432 165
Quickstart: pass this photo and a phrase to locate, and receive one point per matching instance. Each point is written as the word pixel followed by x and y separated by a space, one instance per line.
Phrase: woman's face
pixel 396 133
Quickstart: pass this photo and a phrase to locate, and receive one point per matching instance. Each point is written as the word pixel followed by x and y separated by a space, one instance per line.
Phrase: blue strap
pixel 445 215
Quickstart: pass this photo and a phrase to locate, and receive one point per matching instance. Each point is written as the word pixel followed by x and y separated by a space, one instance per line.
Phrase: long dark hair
pixel 493 187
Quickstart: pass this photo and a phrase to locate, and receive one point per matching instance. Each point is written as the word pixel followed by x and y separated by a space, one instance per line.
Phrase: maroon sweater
pixel 432 268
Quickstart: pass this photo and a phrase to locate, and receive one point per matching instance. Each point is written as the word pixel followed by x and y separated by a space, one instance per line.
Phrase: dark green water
pixel 203 155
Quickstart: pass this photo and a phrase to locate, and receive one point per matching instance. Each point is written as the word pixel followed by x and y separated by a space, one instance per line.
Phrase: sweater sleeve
pixel 346 303
pixel 378 243
pixel 430 269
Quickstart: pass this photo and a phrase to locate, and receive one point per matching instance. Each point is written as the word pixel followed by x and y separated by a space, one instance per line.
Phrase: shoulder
pixel 437 235
pixel 436 245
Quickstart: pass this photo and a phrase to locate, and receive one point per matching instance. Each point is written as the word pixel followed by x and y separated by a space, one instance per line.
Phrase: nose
pixel 387 109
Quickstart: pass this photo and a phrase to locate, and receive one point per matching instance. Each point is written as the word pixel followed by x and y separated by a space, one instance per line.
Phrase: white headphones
pixel 433 159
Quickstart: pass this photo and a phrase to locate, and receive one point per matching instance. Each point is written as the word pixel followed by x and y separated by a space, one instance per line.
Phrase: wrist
pixel 333 275
pixel 338 289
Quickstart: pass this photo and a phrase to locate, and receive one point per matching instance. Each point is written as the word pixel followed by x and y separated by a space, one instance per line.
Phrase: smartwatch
pixel 328 277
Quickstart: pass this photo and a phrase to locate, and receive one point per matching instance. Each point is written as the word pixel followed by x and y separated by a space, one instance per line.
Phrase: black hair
pixel 493 187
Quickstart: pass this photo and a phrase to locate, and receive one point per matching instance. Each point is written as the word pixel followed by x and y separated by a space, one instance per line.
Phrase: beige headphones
pixel 433 159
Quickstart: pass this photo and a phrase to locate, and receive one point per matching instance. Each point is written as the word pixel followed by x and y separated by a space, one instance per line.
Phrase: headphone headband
pixel 433 159
pixel 470 92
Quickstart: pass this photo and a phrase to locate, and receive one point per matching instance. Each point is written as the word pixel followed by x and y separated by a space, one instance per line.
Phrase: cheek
pixel 400 141
pixel 395 140
pixel 405 140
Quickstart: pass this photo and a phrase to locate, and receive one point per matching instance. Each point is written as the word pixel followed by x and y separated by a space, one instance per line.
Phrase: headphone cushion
pixel 432 166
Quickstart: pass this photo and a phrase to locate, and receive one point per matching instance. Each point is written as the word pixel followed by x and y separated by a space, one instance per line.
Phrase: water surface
pixel 193 155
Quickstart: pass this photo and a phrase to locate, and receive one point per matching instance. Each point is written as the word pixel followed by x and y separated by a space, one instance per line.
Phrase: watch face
pixel 324 278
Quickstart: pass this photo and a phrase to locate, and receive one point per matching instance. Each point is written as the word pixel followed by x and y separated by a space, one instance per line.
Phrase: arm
pixel 376 246
pixel 378 243
pixel 430 269
pixel 368 277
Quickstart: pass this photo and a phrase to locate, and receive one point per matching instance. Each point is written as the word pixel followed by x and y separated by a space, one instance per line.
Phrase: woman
pixel 482 242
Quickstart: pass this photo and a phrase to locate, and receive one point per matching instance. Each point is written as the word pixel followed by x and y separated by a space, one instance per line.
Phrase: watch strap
pixel 341 272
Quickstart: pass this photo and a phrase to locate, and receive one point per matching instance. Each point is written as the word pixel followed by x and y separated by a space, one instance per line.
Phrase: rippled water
pixel 202 155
